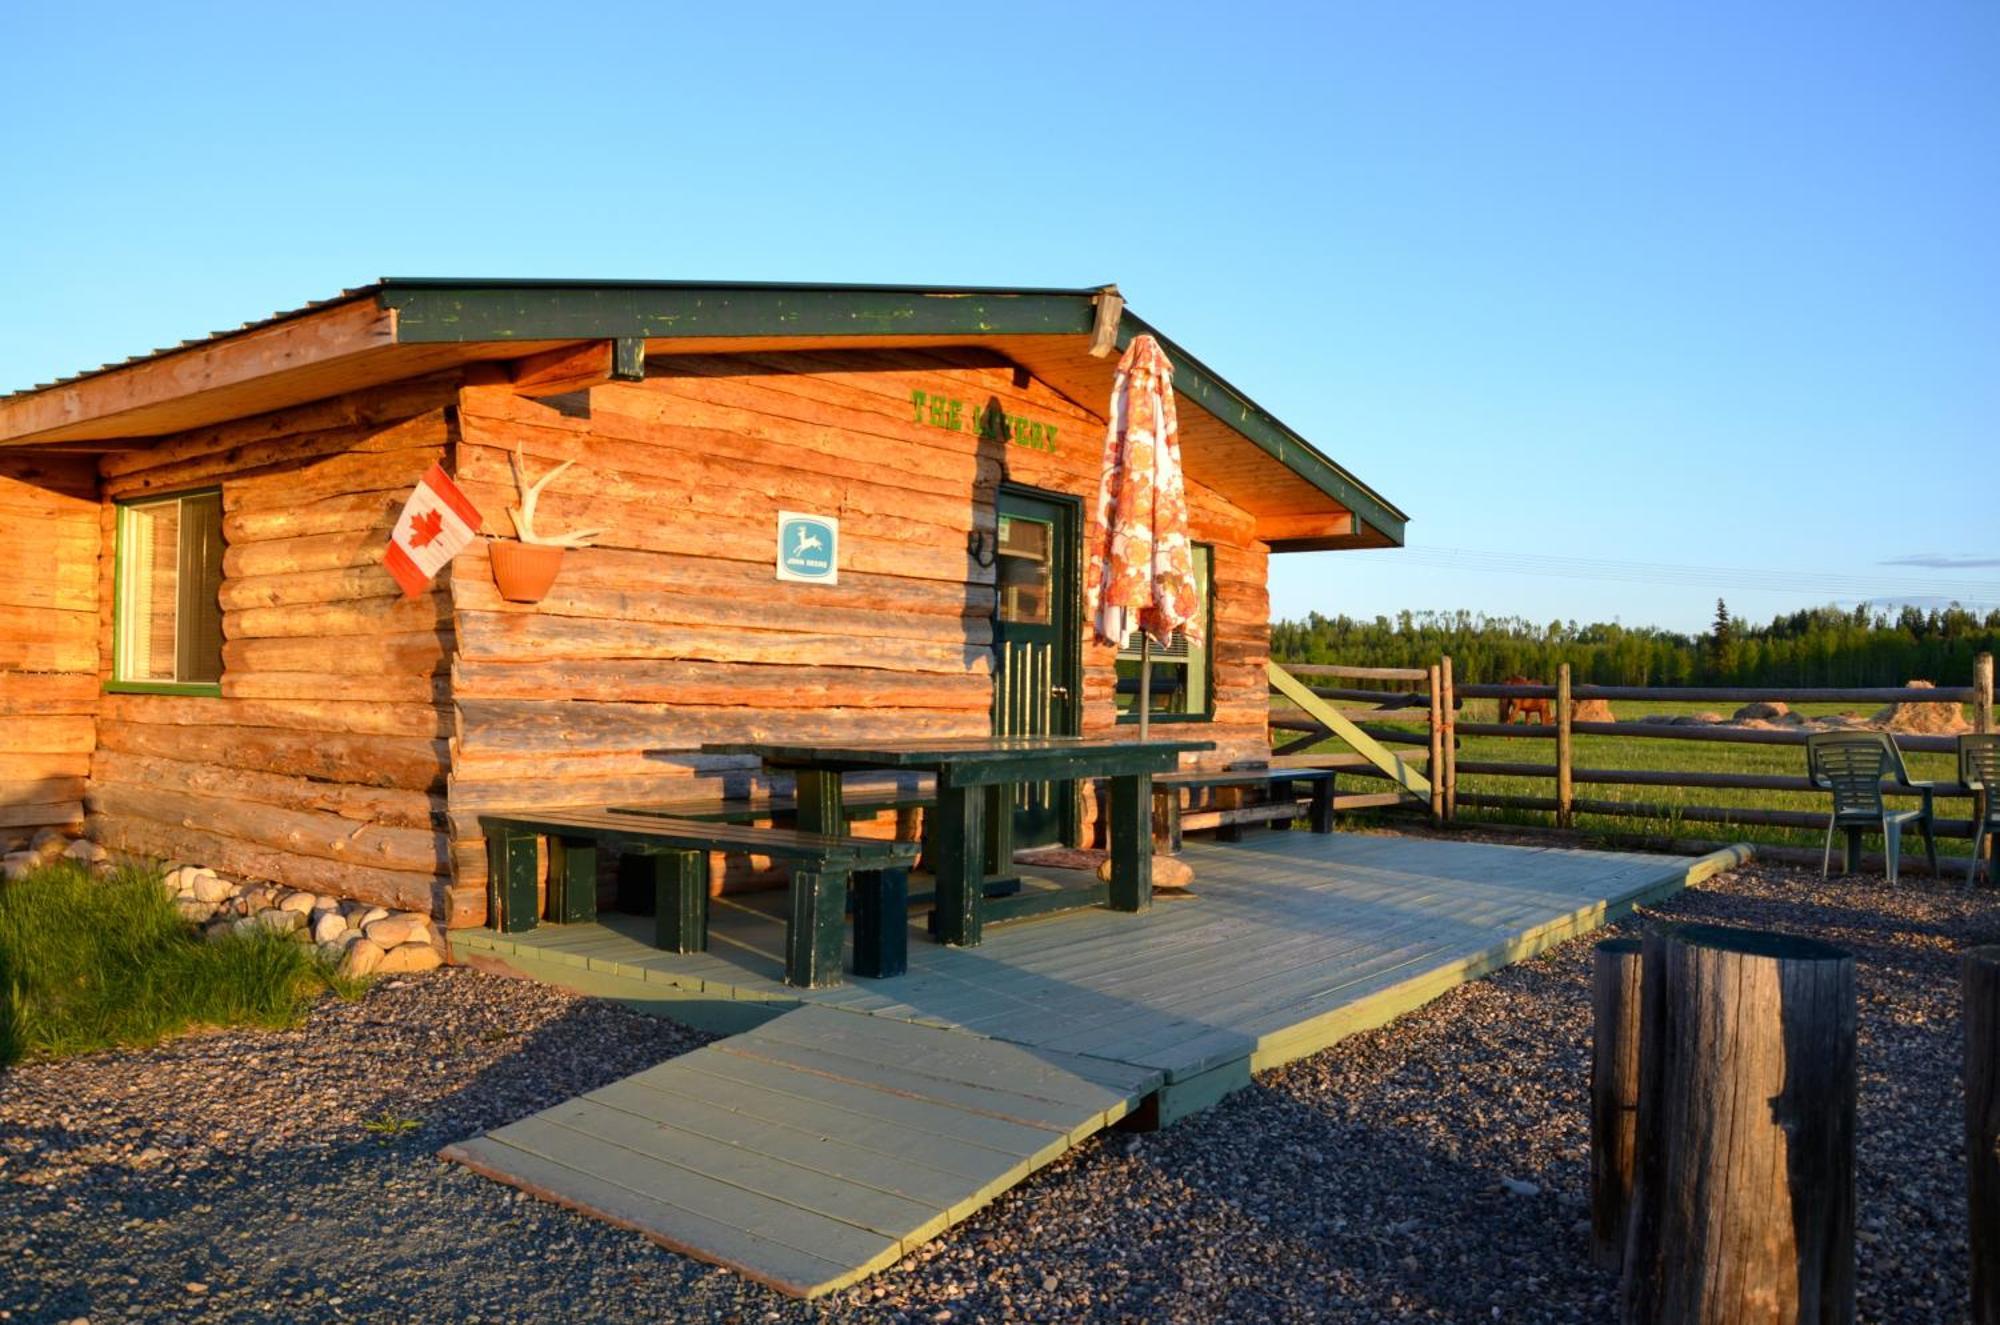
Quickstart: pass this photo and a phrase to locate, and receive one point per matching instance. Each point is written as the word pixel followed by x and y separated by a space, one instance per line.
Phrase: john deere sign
pixel 808 548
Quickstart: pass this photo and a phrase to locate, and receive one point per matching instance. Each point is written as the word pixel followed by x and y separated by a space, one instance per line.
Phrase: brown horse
pixel 1510 706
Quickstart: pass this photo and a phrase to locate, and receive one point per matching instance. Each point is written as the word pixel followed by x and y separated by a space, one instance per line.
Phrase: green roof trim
pixel 468 311
pixel 433 310
pixel 1201 384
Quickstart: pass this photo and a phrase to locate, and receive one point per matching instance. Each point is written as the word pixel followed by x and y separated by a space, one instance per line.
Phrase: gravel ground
pixel 1433 1170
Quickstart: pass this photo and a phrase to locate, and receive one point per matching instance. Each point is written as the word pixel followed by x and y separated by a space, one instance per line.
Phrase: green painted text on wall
pixel 989 424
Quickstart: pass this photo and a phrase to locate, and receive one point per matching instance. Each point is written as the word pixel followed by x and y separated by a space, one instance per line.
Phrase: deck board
pixel 829 1139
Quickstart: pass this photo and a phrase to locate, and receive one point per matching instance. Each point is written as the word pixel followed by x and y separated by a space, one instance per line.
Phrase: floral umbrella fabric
pixel 1139 566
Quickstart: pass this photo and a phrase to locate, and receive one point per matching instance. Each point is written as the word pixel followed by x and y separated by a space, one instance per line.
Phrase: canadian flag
pixel 436 525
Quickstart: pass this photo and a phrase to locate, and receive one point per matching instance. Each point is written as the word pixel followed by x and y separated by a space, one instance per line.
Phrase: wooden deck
pixel 780 1152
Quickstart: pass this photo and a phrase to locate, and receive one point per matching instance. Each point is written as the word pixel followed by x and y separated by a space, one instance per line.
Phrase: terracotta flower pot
pixel 524 571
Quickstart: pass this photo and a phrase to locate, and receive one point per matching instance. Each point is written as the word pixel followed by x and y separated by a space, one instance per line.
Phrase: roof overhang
pixel 402 328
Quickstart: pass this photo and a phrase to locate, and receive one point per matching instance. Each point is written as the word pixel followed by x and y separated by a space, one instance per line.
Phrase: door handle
pixel 1060 692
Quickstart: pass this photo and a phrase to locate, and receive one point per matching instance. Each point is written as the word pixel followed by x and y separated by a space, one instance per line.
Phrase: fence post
pixel 1743 1203
pixel 1614 1096
pixel 1448 705
pixel 1565 792
pixel 1435 770
pixel 1981 981
pixel 1982 722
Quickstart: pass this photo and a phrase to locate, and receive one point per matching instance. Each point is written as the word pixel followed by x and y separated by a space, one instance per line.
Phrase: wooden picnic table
pixel 973 812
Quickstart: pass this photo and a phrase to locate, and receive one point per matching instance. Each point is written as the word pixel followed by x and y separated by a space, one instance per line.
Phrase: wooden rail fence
pixel 1369 697
pixel 1311 720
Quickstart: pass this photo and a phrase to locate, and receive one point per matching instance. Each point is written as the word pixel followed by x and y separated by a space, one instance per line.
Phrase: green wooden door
pixel 1037 655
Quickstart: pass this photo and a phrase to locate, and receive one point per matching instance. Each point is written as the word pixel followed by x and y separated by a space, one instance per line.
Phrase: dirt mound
pixel 1592 710
pixel 1922 719
pixel 1762 712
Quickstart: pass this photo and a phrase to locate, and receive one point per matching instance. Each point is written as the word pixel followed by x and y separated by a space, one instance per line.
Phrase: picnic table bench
pixel 855 804
pixel 678 848
pixel 859 803
pixel 1168 816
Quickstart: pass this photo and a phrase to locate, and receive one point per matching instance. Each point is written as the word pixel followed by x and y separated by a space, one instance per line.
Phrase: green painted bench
pixel 865 803
pixel 1283 783
pixel 678 850
pixel 860 804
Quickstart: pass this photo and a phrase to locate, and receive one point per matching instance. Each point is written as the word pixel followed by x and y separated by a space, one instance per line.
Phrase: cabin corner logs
pixel 359 734
pixel 48 641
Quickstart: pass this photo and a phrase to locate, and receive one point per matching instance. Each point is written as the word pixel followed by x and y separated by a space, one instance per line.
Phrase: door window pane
pixel 169 615
pixel 1023 570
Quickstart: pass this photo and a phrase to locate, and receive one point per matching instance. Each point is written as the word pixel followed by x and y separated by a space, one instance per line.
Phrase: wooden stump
pixel 1982 1127
pixel 1743 1200
pixel 1614 1096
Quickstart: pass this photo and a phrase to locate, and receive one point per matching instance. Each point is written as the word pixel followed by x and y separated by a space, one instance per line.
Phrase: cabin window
pixel 167 616
pixel 1183 678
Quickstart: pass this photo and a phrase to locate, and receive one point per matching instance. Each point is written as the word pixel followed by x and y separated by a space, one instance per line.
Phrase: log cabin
pixel 204 659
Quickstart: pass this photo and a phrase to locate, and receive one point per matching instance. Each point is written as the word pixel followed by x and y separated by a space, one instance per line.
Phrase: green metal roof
pixel 434 310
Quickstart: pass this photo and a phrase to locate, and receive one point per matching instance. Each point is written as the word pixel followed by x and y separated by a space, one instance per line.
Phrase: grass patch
pixel 94 963
pixel 389 1126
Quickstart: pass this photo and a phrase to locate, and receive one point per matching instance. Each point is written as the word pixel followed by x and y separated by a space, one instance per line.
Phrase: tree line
pixel 1820 646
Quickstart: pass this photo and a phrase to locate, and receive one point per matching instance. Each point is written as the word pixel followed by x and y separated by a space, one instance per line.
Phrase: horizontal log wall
pixel 48 642
pixel 322 764
pixel 674 631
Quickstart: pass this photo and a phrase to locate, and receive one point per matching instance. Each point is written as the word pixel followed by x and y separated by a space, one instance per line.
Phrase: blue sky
pixel 1687 287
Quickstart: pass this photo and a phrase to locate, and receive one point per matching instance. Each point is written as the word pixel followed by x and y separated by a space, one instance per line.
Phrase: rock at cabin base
pixel 328 927
pixel 18 865
pixel 392 931
pixel 282 922
pixel 363 956
pixel 48 843
pixel 208 888
pixel 1168 872
pixel 86 852
pixel 194 912
pixel 370 916
pixel 410 957
pixel 299 902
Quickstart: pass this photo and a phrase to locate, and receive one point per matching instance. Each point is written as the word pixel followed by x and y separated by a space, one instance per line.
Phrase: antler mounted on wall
pixel 524 514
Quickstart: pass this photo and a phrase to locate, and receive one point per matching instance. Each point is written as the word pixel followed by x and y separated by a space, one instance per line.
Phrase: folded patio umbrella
pixel 1138 565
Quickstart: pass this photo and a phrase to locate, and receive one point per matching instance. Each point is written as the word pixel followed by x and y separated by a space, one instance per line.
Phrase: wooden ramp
pixel 815 1149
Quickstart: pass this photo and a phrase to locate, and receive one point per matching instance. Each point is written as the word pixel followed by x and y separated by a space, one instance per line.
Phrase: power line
pixel 1721 579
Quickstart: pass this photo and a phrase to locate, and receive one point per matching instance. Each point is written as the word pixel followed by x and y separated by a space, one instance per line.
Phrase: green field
pixel 1651 753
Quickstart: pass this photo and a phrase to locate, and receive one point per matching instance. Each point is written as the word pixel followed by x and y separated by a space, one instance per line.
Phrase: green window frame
pixel 166 613
pixel 1183 673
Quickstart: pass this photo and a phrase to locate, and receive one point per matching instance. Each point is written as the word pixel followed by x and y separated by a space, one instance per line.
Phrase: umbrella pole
pixel 1145 684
